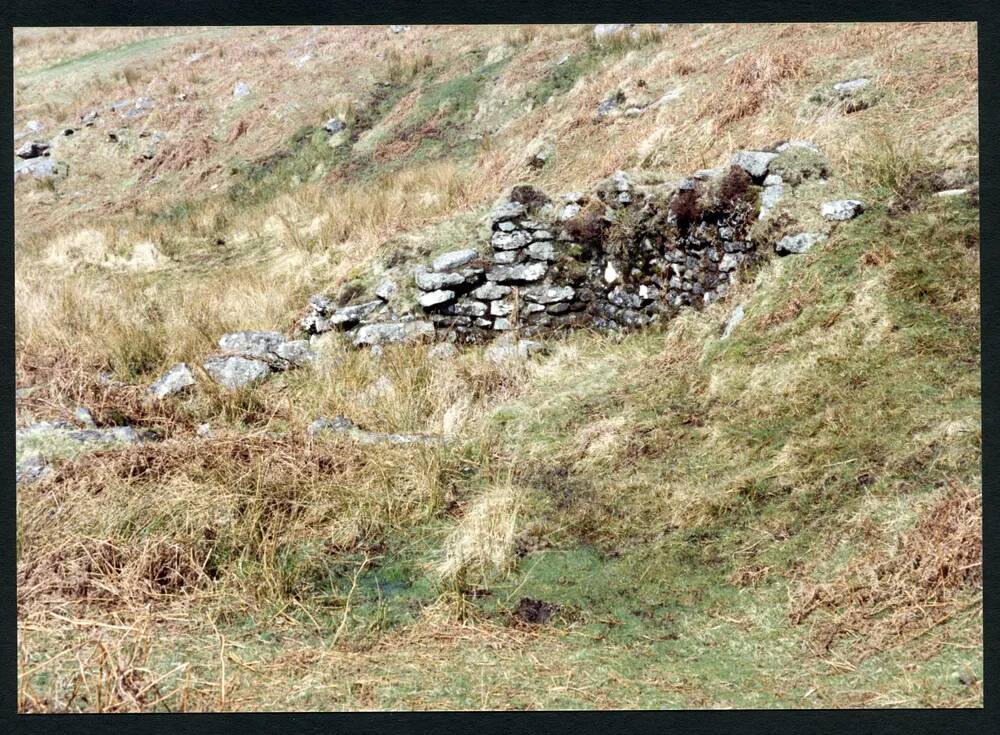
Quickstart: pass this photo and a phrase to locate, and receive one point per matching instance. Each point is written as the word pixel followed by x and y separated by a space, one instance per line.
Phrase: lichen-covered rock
pixel 490 291
pixel 322 304
pixel 549 294
pixel 392 332
pixel 842 209
pixel 516 273
pixel 297 352
pixel 175 380
pixel 507 211
pixel 32 149
pixel 236 371
pixel 454 259
pixel 797 244
pixel 257 344
pixel 386 289
pixel 433 298
pixel 798 163
pixel 510 240
pixel 437 281
pixel 755 163
pixel 541 251
pixel 84 417
pixel 39 168
pixel 347 316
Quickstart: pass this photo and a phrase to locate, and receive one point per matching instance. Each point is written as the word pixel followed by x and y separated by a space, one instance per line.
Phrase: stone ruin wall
pixel 627 254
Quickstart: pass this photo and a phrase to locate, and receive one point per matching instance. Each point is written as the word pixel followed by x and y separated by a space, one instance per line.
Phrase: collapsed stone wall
pixel 628 253
pixel 624 255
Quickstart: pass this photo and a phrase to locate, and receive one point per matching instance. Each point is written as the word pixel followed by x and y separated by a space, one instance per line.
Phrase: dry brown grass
pixel 750 84
pixel 888 597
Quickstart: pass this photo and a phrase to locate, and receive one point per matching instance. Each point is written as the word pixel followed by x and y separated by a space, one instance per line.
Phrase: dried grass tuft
pixel 884 599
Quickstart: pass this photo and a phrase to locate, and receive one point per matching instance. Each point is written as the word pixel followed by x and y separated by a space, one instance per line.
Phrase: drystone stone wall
pixel 628 253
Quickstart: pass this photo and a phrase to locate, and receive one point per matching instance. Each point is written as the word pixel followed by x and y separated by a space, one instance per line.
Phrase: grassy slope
pixel 678 496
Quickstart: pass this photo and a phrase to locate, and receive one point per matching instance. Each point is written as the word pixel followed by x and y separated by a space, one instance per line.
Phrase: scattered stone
pixel 841 210
pixel 342 425
pixel 386 289
pixel 295 352
pixel 38 168
pixel 609 105
pixel 334 125
pixel 204 431
pixel 951 193
pixel 256 344
pixel 433 298
pixel 392 332
pixel 32 149
pixel 852 87
pixel 347 316
pixel 241 89
pixel 755 163
pixel 454 259
pixel 782 147
pixel 399 29
pixel 797 244
pixel 235 371
pixel 84 417
pixel 735 317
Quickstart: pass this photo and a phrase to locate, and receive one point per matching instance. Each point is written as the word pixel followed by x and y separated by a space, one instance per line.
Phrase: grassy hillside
pixel 788 517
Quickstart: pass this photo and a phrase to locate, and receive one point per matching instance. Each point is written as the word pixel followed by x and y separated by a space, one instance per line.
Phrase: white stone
pixel 433 298
pixel 610 274
pixel 842 209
